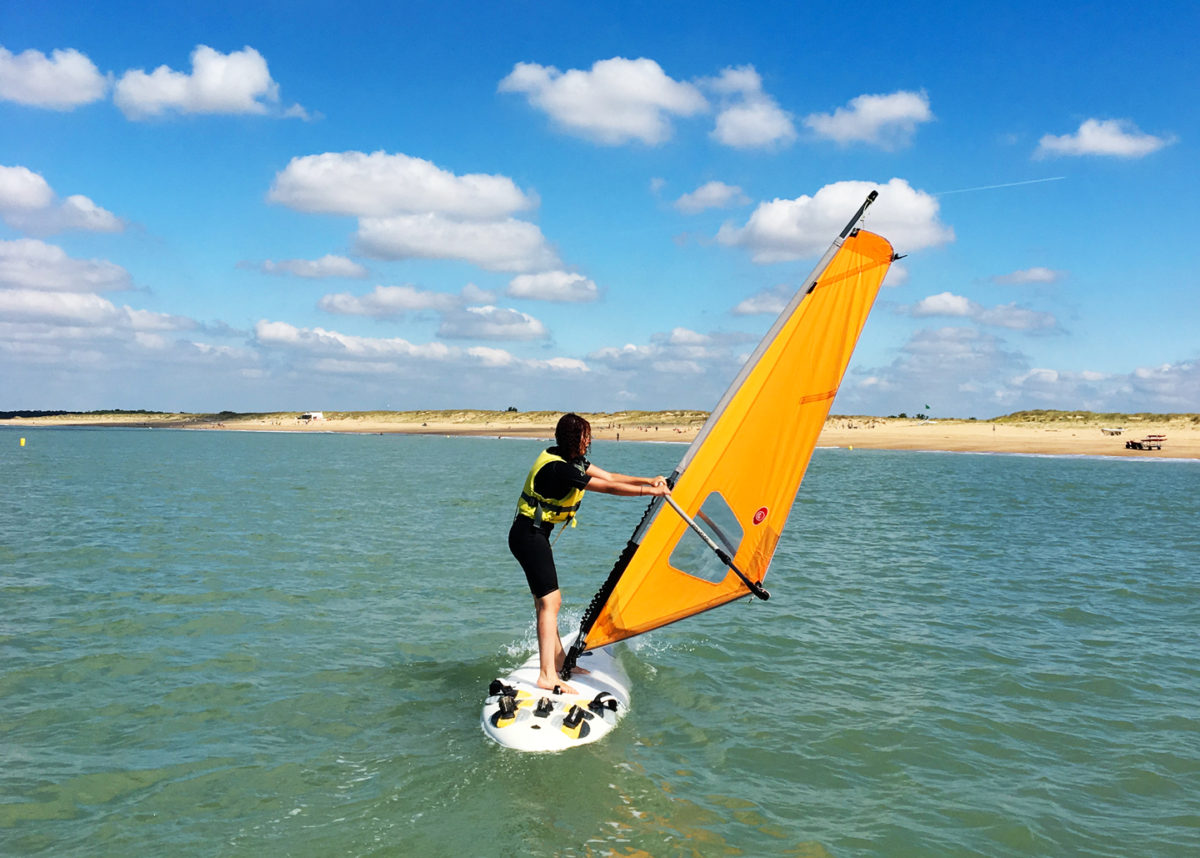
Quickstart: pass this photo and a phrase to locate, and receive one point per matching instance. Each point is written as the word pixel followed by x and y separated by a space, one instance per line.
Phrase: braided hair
pixel 569 435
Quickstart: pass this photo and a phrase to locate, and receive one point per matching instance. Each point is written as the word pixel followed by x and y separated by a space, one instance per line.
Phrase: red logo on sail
pixel 760 515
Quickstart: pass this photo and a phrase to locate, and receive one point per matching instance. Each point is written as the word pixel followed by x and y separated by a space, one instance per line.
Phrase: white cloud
pixel 1006 316
pixel 687 337
pixel 881 120
pixel 619 100
pixel 28 204
pixel 148 320
pixel 382 184
pixel 79 212
pixel 21 189
pixel 83 309
pixel 327 266
pixel 27 263
pixel 338 353
pixel 553 286
pixel 711 195
pixel 749 118
pixel 59 307
pixel 959 369
pixel 325 342
pixel 409 208
pixel 786 230
pixel 472 294
pixel 945 304
pixel 1117 138
pixel 680 351
pixel 505 245
pixel 387 301
pixel 1168 387
pixel 491 323
pixel 62 81
pixel 897 275
pixel 234 83
pixel 1171 387
pixel 767 302
pixel 1036 274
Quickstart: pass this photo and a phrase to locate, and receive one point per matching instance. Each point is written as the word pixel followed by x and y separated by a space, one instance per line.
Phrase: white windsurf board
pixel 517 714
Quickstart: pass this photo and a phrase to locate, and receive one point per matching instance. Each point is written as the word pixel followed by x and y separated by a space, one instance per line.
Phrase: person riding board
pixel 552 493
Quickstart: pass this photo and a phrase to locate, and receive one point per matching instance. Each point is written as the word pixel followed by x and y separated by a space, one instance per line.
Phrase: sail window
pixel 695 558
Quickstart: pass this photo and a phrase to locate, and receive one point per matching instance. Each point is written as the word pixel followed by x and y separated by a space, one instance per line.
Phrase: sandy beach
pixel 1047 433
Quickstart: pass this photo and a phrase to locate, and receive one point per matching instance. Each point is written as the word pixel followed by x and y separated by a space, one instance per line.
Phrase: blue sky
pixel 292 206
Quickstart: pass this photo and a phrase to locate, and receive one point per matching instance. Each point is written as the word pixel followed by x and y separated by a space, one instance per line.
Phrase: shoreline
pixel 1067 436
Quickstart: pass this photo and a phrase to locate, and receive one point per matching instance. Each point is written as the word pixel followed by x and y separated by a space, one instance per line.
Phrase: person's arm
pixel 624 484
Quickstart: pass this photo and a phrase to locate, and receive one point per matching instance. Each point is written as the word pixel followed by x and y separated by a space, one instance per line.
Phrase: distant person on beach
pixel 552 493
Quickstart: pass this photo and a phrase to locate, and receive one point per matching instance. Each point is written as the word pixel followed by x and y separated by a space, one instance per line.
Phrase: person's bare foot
pixel 556 685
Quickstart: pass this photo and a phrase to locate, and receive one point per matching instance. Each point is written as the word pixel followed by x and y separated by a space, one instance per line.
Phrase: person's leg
pixel 550 648
pixel 532 549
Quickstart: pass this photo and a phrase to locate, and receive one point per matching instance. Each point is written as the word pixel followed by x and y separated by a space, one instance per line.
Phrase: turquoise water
pixel 218 643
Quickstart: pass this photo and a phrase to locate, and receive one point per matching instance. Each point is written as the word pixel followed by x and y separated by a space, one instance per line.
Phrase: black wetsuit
pixel 529 541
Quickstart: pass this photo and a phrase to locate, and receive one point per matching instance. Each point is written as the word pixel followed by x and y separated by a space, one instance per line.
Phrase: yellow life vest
pixel 533 506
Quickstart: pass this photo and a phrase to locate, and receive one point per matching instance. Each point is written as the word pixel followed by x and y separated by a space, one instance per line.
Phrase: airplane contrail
pixel 1005 185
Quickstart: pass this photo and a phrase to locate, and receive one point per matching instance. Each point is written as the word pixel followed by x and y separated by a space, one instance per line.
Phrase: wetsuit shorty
pixel 530 541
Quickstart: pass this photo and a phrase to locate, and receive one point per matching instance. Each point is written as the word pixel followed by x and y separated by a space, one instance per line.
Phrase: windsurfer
pixel 552 493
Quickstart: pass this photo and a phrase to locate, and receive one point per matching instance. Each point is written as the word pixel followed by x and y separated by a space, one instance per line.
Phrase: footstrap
pixel 599 704
pixel 498 688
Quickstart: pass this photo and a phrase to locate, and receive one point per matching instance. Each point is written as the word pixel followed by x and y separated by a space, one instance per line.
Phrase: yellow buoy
pixel 22 442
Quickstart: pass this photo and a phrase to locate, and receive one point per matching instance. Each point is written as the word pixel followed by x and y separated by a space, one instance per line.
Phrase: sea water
pixel 218 644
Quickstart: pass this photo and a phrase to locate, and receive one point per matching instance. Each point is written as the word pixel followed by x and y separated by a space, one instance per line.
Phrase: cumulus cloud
pixel 342 353
pixel 80 308
pixel 83 309
pixel 491 323
pixel 409 208
pixel 63 81
pixel 28 204
pixel 767 302
pixel 1010 316
pixel 786 230
pixel 27 263
pixel 22 190
pixel 961 365
pixel 1170 387
pixel 618 101
pixel 459 320
pixel 1167 387
pixel 974 373
pixel 326 342
pixel 472 294
pixel 711 359
pixel 314 269
pixel 553 286
pixel 502 245
pixel 887 121
pixel 748 118
pixel 382 184
pixel 389 301
pixel 1117 138
pixel 234 83
pixel 711 195
pixel 1036 274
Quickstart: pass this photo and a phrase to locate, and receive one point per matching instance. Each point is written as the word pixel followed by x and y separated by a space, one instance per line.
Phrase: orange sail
pixel 739 478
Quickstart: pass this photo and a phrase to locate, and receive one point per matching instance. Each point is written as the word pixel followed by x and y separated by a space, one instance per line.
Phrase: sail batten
pixel 740 476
